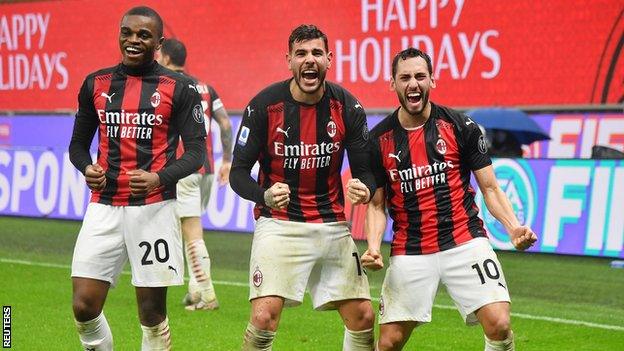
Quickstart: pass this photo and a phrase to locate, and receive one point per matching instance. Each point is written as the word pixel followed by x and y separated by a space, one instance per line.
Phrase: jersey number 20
pixel 161 251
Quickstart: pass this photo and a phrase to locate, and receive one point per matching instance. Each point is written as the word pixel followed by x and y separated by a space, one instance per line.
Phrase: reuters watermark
pixel 6 327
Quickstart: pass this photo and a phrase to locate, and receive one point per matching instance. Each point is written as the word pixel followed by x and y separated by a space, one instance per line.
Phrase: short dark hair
pixel 176 51
pixel 409 53
pixel 306 32
pixel 147 12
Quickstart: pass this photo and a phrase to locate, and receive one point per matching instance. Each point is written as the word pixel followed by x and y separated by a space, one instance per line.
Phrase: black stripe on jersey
pixel 413 243
pixel 144 146
pixel 264 160
pixel 117 86
pixel 173 134
pixel 475 225
pixel 294 211
pixel 323 204
pixel 265 183
pixel 441 191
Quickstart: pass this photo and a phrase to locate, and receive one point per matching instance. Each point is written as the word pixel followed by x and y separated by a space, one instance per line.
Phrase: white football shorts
pixel 471 272
pixel 288 257
pixel 148 236
pixel 193 194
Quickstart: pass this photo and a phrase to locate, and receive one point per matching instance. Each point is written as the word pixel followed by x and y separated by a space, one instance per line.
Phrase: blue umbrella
pixel 511 120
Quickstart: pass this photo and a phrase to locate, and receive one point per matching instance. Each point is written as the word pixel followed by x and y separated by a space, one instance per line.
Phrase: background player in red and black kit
pixel 194 190
pixel 140 110
pixel 298 130
pixel 423 155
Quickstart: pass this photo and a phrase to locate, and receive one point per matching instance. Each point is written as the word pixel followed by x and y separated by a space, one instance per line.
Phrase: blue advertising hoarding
pixel 574 205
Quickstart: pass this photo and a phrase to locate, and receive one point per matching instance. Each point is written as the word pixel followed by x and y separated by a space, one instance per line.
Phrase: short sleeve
pixel 215 103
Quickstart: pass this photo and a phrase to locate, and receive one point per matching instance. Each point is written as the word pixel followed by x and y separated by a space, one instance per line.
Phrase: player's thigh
pixel 338 275
pixel 205 189
pixel 100 252
pixel 188 202
pixel 473 277
pixel 154 244
pixel 409 289
pixel 282 256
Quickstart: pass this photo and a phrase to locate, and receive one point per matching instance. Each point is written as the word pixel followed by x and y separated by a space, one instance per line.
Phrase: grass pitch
pixel 559 302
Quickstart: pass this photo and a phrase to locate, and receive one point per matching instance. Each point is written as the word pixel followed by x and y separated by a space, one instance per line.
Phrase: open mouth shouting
pixel 414 97
pixel 309 77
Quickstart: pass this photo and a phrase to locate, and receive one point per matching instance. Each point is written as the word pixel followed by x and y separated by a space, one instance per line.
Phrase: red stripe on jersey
pixel 276 119
pixel 307 175
pixel 101 84
pixel 426 197
pixel 127 146
pixel 335 180
pixel 461 233
pixel 160 144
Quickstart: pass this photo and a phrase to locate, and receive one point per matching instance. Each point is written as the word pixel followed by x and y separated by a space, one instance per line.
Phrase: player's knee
pixel 264 320
pixel 393 340
pixel 85 309
pixel 365 317
pixel 151 313
pixel 498 328
pixel 368 318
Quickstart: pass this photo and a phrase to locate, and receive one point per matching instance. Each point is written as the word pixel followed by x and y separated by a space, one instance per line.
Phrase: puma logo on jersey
pixel 391 155
pixel 285 132
pixel 469 122
pixel 249 110
pixel 357 105
pixel 173 269
pixel 108 97
pixel 193 87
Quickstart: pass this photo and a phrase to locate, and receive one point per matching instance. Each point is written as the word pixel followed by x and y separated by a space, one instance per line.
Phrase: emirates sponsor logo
pixel 420 177
pixel 303 149
pixel 306 156
pixel 131 125
pixel 133 118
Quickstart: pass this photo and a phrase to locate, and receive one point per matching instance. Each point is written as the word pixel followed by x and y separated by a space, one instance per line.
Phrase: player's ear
pixel 433 82
pixel 288 61
pixel 392 84
pixel 330 56
pixel 160 41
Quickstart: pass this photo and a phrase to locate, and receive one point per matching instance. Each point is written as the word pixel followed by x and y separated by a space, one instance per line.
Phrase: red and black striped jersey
pixel 210 103
pixel 425 173
pixel 140 115
pixel 303 146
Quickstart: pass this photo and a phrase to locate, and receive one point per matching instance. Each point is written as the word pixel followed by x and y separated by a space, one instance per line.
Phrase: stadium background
pixel 488 53
pixel 560 61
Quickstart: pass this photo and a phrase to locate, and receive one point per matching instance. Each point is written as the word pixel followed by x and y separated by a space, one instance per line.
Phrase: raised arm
pixel 522 237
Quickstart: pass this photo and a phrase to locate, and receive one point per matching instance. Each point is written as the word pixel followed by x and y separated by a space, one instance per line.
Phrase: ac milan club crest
pixel 155 99
pixel 331 128
pixel 441 146
pixel 257 277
